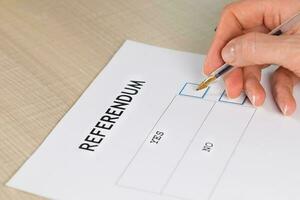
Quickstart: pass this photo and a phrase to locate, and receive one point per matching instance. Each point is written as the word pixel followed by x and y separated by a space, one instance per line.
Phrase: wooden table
pixel 50 51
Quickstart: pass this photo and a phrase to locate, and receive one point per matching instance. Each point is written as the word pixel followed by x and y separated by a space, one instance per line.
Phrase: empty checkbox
pixel 239 100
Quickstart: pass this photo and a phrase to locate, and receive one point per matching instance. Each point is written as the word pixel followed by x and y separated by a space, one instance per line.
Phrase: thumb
pixel 257 49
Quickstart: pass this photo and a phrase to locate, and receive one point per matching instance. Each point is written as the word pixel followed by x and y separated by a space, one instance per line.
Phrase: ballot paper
pixel 142 131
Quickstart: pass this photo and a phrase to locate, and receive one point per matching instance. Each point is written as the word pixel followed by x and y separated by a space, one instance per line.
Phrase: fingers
pixel 235 18
pixel 252 87
pixel 251 80
pixel 259 48
pixel 251 49
pixel 283 82
pixel 234 83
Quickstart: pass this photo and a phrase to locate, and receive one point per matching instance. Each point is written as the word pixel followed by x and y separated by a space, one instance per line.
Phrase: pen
pixel 224 69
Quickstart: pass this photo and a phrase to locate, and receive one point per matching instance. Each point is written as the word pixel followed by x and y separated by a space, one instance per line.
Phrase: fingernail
pixel 228 53
pixel 251 97
pixel 284 109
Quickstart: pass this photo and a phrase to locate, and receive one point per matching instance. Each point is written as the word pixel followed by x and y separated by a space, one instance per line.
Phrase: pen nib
pixel 201 86
pixel 204 84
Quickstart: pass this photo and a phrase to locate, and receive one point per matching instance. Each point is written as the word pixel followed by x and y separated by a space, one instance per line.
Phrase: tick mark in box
pixel 239 100
pixel 190 89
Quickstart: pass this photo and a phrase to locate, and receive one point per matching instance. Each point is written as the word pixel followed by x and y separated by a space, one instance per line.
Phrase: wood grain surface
pixel 50 51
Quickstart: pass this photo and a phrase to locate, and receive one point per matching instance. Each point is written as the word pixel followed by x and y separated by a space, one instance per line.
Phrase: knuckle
pixel 229 9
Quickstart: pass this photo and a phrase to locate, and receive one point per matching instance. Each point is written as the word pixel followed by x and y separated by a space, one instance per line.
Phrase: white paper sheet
pixel 141 131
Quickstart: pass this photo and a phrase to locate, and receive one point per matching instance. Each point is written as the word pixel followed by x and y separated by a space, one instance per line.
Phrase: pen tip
pixel 206 83
pixel 201 86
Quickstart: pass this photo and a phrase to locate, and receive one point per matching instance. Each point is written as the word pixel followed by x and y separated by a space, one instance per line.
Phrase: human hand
pixel 241 41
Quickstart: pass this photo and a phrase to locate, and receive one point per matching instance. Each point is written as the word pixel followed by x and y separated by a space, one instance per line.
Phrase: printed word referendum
pixel 101 129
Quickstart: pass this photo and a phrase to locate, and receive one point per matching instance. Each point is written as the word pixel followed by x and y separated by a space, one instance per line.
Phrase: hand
pixel 241 41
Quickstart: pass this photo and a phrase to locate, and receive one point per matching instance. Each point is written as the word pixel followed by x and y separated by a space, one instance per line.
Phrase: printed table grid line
pixel 140 147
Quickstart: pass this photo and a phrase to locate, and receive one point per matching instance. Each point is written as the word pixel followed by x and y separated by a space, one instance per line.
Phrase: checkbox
pixel 190 89
pixel 239 100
